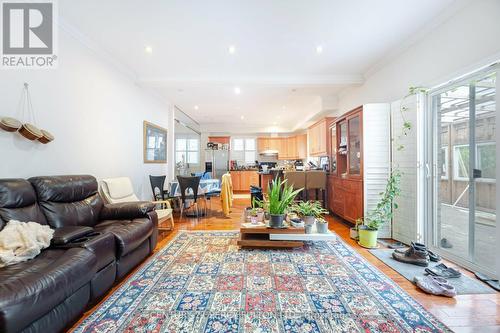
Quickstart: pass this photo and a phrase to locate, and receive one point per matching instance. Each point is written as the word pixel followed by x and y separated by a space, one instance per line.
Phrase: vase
pixel 276 221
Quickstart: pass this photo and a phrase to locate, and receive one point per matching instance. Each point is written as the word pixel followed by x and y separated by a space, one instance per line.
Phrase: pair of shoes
pixel 435 285
pixel 444 271
pixel 432 256
pixel 415 255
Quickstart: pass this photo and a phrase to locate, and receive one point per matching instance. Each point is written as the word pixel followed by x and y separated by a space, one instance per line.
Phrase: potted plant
pixel 321 225
pixel 354 231
pixel 280 196
pixel 309 211
pixel 383 212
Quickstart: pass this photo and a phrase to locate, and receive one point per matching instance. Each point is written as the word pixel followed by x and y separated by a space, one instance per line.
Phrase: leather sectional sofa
pixel 94 246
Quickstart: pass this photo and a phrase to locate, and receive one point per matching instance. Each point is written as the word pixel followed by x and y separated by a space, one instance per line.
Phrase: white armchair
pixel 116 190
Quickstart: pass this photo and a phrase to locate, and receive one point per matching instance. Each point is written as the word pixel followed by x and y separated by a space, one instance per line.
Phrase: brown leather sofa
pixel 94 246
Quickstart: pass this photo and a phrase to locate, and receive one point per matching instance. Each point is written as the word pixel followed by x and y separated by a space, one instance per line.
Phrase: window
pixel 243 150
pixel 461 162
pixel 486 160
pixel 443 161
pixel 187 150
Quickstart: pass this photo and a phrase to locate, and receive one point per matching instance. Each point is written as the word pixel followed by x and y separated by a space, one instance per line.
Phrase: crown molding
pixel 282 81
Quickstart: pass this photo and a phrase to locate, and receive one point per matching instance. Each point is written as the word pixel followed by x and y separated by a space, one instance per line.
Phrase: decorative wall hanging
pixel 155 143
pixel 28 129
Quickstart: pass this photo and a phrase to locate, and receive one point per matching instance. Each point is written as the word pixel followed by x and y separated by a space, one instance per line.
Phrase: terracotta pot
pixel 30 132
pixel 10 124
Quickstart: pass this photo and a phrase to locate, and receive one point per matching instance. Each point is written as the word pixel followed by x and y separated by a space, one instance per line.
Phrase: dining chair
pixel 316 180
pixel 192 184
pixel 116 190
pixel 297 179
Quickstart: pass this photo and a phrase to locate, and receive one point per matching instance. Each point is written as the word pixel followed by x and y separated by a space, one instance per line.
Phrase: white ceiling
pixel 283 80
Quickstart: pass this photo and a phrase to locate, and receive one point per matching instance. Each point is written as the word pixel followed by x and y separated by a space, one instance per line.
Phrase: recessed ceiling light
pixel 242 117
pixel 232 49
pixel 237 90
pixel 196 107
pixel 319 49
pixel 148 49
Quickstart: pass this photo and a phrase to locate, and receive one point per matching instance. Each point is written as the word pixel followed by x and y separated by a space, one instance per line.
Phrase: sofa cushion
pixel 129 234
pixel 18 202
pixel 30 289
pixel 68 200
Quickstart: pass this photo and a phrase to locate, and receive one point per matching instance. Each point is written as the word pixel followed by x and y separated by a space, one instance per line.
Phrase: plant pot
pixel 368 238
pixel 260 216
pixel 309 219
pixel 276 221
pixel 308 228
pixel 353 233
pixel 322 228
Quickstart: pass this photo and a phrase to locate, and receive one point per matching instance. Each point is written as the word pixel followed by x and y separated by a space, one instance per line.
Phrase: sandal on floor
pixel 443 271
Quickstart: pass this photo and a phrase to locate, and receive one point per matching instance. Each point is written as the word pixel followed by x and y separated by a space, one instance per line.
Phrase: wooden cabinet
pixel 318 138
pixel 346 169
pixel 242 180
pixel 301 143
pixel 359 161
pixel 288 148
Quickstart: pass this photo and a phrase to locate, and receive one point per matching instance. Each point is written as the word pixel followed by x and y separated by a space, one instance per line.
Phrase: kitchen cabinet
pixel 243 179
pixel 288 148
pixel 317 137
pixel 301 143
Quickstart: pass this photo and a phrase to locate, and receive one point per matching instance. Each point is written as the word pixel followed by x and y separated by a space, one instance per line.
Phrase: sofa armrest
pixel 126 210
pixel 65 235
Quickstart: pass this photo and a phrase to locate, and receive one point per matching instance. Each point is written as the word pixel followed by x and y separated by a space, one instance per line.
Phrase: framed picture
pixel 155 143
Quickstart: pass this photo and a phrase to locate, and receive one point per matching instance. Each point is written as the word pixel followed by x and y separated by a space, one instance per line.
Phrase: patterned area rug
pixel 202 282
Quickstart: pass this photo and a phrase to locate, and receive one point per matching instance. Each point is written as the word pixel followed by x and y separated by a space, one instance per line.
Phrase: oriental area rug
pixel 203 282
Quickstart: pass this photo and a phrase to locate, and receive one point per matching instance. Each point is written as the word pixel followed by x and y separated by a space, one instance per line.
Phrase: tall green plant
pixel 280 196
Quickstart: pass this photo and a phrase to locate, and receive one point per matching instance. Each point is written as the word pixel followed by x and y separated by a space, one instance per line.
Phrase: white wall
pixel 466 40
pixel 95 112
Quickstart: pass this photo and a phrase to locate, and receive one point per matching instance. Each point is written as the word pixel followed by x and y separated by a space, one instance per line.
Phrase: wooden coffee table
pixel 290 237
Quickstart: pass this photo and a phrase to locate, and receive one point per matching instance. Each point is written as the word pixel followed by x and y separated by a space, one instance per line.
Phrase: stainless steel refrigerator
pixel 219 160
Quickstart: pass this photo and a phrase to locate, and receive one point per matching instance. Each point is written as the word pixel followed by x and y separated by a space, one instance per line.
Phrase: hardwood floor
pixel 464 313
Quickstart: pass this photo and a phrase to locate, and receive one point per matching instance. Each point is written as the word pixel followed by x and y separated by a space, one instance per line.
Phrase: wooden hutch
pixel 345 181
pixel 359 160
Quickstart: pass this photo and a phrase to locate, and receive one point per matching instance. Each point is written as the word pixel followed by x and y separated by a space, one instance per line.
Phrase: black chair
pixel 157 186
pixel 189 183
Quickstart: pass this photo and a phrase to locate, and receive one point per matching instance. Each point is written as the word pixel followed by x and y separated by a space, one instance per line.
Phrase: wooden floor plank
pixel 464 313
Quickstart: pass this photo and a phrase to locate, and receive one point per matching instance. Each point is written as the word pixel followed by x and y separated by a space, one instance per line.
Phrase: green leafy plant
pixel 309 208
pixel 280 196
pixel 321 220
pixel 383 212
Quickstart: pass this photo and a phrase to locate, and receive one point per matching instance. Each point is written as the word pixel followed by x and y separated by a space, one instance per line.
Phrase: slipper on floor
pixel 493 283
pixel 444 271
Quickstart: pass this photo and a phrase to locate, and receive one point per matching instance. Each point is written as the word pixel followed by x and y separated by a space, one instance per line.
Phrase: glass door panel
pixel 333 140
pixel 342 150
pixel 464 200
pixel 485 172
pixel 452 181
pixel 354 146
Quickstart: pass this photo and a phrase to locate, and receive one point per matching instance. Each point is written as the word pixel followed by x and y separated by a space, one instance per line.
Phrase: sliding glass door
pixel 463 151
